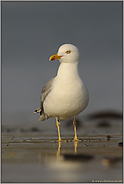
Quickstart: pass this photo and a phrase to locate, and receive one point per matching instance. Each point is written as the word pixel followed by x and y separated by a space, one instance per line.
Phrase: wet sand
pixel 33 154
pixel 43 159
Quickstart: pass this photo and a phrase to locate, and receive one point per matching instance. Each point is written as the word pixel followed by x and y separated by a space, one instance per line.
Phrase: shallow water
pixel 43 159
pixel 33 154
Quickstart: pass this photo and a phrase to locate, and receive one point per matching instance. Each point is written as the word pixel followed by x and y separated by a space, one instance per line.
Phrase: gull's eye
pixel 68 51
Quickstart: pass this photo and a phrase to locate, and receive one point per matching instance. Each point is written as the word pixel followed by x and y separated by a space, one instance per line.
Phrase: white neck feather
pixel 68 70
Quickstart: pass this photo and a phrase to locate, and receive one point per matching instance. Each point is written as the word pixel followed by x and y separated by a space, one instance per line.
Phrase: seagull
pixel 66 95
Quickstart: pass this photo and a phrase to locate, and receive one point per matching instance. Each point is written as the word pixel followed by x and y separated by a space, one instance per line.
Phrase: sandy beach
pixel 32 155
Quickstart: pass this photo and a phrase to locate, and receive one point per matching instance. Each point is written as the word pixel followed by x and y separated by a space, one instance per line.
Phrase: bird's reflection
pixel 75 146
pixel 59 147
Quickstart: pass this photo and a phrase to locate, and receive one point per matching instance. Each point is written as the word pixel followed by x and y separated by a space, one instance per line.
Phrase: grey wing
pixel 45 91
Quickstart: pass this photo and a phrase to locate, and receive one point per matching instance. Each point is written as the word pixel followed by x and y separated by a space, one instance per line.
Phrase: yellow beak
pixel 54 57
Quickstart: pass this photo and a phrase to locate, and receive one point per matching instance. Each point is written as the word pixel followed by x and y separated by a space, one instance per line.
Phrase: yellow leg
pixel 75 132
pixel 58 124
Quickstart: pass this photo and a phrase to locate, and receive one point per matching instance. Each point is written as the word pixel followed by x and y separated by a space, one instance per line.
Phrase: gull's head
pixel 67 53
